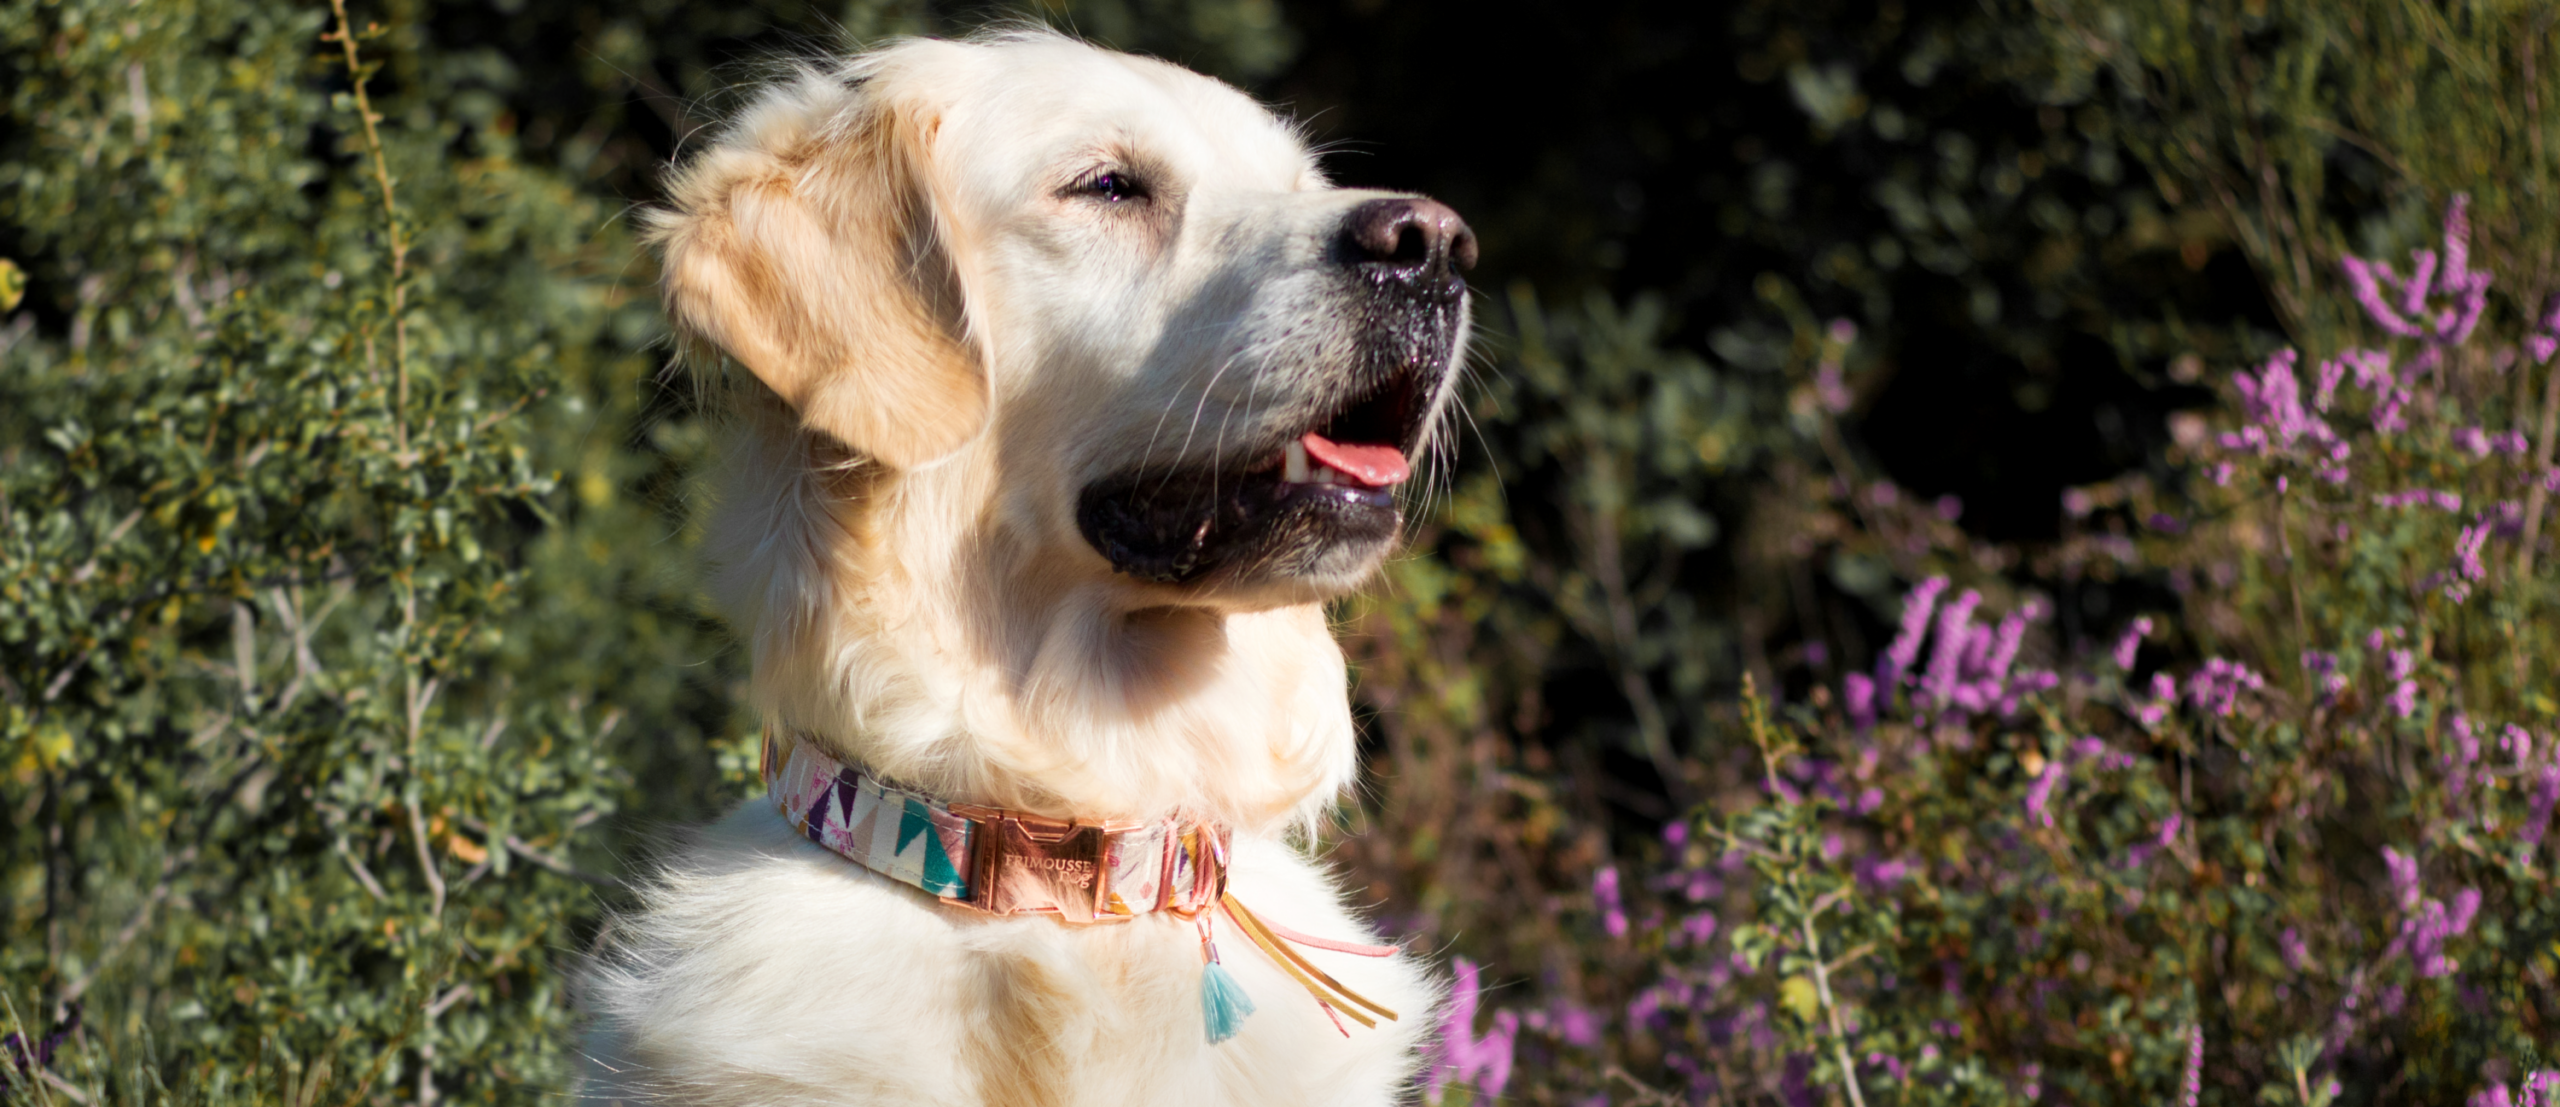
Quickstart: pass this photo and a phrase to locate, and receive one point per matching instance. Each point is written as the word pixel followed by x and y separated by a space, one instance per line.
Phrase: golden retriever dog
pixel 1076 392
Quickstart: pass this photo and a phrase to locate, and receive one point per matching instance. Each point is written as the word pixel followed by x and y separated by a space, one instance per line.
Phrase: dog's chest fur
pixel 766 970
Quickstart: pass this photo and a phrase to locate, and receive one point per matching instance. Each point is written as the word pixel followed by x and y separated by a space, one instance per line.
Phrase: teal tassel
pixel 1222 1002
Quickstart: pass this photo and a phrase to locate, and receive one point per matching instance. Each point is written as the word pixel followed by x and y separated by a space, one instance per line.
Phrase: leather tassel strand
pixel 1304 971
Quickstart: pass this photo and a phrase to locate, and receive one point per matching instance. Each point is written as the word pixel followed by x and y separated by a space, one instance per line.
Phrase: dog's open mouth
pixel 1283 507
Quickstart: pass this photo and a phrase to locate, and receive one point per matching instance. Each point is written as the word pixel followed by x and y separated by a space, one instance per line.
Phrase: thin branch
pixel 1645 1093
pixel 89 568
pixel 68 1089
pixel 1850 958
pixel 244 655
pixel 1831 1009
pixel 426 859
pixel 523 849
pixel 345 36
pixel 364 875
pixel 445 1002
pixel 169 867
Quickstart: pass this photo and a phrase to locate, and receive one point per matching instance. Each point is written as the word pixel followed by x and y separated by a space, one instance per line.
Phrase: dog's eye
pixel 1112 186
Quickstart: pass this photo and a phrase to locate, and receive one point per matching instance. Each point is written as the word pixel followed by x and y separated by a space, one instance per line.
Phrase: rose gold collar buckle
pixel 1026 864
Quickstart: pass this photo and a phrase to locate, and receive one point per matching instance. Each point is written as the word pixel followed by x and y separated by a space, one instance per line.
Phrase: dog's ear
pixel 810 249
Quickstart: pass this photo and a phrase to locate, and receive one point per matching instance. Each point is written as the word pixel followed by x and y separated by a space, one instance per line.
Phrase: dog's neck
pixel 898 618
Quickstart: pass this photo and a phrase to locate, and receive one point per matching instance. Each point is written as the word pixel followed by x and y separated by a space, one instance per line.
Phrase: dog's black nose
pixel 1413 241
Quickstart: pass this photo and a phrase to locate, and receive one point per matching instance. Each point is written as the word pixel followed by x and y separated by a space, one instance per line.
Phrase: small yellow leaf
pixel 471 853
pixel 13 285
pixel 53 745
pixel 1797 993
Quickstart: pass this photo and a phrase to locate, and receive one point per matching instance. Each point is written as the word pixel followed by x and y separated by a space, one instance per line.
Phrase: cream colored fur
pixel 945 348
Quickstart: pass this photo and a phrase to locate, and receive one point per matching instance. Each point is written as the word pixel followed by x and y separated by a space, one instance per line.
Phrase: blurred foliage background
pixel 348 645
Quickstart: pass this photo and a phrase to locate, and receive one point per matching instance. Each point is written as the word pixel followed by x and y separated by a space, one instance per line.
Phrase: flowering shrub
pixel 2280 840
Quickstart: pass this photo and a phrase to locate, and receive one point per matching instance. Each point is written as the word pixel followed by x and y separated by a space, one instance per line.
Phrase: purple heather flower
pixel 1463 1057
pixel 2367 279
pixel 2473 439
pixel 2218 685
pixel 1955 631
pixel 2404 698
pixel 1882 874
pixel 1829 389
pixel 2541 1089
pixel 1905 650
pixel 2466 548
pixel 2331 372
pixel 2195 1064
pixel 2467 288
pixel 2297 953
pixel 2540 347
pixel 2131 643
pixel 2386 414
pixel 1891 1065
pixel 2457 238
pixel 2510 443
pixel 2518 742
pixel 1577 1025
pixel 2466 561
pixel 2434 922
pixel 1698 928
pixel 2506 518
pixel 2324 667
pixel 2546 795
pixel 2169 828
pixel 2272 403
pixel 2455 324
pixel 1949 508
pixel 2005 642
pixel 2373 368
pixel 1859 693
pixel 2078 503
pixel 1604 891
pixel 2464 754
pixel 2040 793
pixel 2404 877
pixel 2422 272
pixel 2164 696
pixel 2404 664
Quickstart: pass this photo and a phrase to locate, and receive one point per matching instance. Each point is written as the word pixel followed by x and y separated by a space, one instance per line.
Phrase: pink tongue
pixel 1373 466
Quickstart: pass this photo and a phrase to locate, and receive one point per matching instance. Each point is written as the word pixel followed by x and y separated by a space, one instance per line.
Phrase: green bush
pixel 311 599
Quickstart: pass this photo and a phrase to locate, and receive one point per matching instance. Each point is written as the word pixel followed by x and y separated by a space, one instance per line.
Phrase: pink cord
pixel 1313 942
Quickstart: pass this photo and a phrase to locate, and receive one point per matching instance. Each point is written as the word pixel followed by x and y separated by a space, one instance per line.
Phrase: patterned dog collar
pixel 992 860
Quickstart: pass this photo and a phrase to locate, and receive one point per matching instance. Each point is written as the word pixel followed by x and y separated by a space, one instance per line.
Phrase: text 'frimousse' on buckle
pixel 1040 865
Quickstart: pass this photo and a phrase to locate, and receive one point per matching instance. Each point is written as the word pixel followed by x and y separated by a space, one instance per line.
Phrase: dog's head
pixel 1200 369
pixel 1080 386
